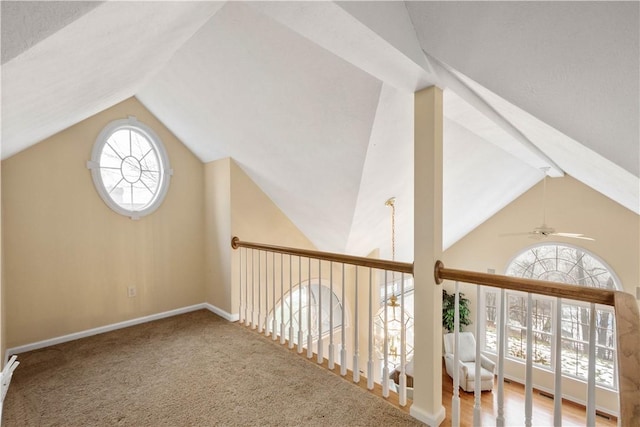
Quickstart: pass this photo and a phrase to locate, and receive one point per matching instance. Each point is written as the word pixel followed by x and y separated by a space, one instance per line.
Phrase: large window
pixel 566 264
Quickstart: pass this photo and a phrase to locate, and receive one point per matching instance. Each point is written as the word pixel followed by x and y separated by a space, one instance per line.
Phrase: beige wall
pixel 256 218
pixel 217 198
pixel 571 207
pixel 69 258
pixel 236 206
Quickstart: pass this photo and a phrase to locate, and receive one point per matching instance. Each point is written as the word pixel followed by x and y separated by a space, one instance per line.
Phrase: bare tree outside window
pixel 565 264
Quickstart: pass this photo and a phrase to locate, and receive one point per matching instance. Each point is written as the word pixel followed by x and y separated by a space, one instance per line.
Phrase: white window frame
pixel 553 349
pixel 301 287
pixel 166 172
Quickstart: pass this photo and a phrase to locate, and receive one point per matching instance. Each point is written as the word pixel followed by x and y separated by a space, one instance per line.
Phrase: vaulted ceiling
pixel 314 100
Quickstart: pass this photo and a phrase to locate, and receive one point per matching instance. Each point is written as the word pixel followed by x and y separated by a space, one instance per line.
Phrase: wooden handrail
pixel 401 267
pixel 627 324
pixel 552 289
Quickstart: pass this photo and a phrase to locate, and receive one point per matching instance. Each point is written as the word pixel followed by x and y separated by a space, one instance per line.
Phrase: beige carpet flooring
pixel 194 369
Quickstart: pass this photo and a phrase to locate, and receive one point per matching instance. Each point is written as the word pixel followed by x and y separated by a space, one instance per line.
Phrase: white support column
pixel 500 331
pixel 591 377
pixel 428 122
pixel 528 398
pixel 557 390
pixel 477 411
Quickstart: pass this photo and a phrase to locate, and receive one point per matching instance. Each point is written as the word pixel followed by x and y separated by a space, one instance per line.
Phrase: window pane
pixel 566 264
pixel 295 301
pixel 491 320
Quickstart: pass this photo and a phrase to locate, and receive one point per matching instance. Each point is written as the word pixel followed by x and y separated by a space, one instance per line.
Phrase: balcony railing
pixel 272 277
pixel 627 340
pixel 268 276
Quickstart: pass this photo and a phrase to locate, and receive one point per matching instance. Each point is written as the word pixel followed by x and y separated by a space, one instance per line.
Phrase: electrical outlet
pixel 132 291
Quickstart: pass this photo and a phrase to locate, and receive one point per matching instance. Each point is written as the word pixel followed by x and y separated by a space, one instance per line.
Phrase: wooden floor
pixel 572 414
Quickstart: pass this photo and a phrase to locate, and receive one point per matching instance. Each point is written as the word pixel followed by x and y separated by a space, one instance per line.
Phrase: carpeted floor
pixel 194 369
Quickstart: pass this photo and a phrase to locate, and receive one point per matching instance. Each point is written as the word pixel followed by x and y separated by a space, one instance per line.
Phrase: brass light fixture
pixel 391 314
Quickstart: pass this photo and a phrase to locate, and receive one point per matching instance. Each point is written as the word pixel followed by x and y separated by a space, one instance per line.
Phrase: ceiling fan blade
pixel 574 236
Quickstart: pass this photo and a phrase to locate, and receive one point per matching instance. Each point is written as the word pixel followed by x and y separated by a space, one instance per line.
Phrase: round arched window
pixel 565 264
pixel 130 168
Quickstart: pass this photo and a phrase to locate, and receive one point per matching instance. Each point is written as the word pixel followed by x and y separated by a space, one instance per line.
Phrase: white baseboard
pixel 115 326
pixel 220 312
pixel 432 420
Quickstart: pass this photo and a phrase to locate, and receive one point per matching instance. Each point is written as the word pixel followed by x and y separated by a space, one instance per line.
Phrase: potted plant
pixel 449 309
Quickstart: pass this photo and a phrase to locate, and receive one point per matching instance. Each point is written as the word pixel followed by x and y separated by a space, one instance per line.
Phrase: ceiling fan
pixel 544 230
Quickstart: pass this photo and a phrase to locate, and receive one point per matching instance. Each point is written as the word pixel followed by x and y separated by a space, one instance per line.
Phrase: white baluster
pixel 282 334
pixel 331 347
pixel 274 321
pixel 259 313
pixel 300 333
pixel 370 360
pixel 240 286
pixel 477 411
pixel 320 355
pixel 385 367
pixel 591 377
pixel 557 391
pixel 402 380
pixel 5 379
pixel 528 400
pixel 253 295
pixel 455 400
pixel 265 319
pixel 290 305
pixel 246 286
pixel 343 337
pixel 502 342
pixel 309 336
pixel 356 335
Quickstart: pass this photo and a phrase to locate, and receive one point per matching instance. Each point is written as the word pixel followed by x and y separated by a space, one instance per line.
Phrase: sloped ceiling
pixel 314 99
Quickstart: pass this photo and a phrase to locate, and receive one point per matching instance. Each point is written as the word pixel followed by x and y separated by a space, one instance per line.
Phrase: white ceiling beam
pixel 448 79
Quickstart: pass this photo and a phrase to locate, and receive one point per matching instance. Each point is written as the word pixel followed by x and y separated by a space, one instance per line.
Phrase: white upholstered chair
pixel 467 352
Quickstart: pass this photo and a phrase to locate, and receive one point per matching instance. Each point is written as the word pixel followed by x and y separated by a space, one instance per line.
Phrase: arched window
pixel 296 307
pixel 566 264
